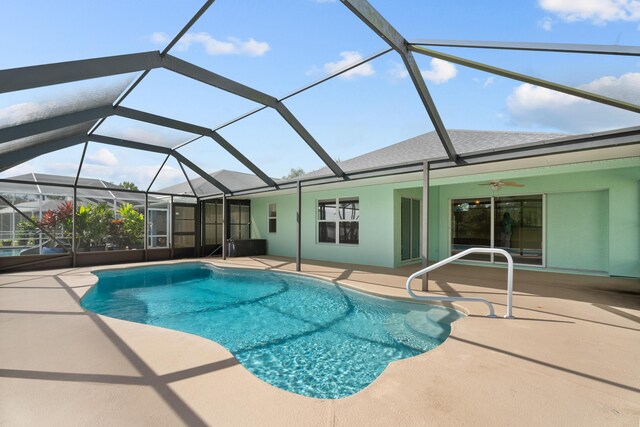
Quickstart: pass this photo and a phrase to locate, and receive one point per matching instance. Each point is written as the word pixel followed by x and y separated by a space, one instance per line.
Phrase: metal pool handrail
pixel 464 253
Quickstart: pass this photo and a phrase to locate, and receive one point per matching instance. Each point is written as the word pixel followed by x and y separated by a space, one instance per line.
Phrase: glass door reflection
pixel 518 228
pixel 471 226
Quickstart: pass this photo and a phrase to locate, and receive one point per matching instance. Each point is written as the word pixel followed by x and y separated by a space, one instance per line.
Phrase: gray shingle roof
pixel 416 149
pixel 234 181
pixel 428 146
pixel 100 188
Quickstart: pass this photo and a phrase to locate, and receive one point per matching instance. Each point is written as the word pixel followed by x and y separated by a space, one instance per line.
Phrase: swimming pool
pixel 308 336
pixel 10 251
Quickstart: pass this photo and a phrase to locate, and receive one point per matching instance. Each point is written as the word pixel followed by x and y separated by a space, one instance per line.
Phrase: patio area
pixel 568 358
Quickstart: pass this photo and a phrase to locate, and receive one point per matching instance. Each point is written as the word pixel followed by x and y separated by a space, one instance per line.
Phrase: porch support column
pixel 198 236
pixel 146 226
pixel 298 224
pixel 425 224
pixel 172 219
pixel 224 226
pixel 73 227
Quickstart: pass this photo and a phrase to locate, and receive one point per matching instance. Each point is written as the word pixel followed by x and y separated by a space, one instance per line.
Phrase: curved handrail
pixel 464 253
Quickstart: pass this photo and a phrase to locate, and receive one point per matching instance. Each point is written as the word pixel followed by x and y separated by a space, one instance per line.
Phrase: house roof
pixel 99 188
pixel 427 147
pixel 234 181
pixel 33 206
pixel 63 179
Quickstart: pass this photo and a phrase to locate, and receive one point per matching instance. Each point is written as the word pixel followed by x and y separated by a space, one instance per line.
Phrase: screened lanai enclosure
pixel 126 153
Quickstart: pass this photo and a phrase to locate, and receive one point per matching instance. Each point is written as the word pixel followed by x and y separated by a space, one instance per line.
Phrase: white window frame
pixel 336 220
pixel 151 236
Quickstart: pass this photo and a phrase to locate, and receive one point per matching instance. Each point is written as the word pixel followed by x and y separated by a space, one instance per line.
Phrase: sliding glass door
pixel 518 228
pixel 471 226
pixel 409 229
pixel 512 223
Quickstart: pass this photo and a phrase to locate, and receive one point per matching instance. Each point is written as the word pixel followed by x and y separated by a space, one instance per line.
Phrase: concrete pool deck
pixel 569 358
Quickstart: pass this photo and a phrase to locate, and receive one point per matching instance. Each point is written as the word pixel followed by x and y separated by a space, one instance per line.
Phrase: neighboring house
pixel 33 194
pixel 573 212
pixel 33 198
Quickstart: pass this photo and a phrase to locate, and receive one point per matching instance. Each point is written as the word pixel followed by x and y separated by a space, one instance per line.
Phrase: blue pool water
pixel 308 336
pixel 10 251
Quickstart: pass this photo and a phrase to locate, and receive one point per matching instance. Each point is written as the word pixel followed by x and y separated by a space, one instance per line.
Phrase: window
pixel 184 226
pixel 213 222
pixel 158 230
pixel 338 221
pixel 272 218
pixel 240 220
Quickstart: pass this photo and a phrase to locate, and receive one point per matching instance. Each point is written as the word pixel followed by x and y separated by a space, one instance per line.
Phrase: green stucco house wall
pixel 590 216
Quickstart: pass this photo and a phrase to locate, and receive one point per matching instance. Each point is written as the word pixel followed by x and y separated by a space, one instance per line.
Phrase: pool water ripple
pixel 308 336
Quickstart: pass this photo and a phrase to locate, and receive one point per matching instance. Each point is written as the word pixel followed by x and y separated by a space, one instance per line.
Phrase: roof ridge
pixel 423 146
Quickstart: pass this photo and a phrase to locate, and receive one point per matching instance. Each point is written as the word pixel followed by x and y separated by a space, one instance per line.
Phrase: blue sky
pixel 278 46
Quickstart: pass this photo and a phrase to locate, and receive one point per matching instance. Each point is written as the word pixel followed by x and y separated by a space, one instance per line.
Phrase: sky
pixel 279 46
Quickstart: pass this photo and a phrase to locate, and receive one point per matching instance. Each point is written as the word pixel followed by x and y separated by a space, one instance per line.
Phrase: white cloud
pixel 535 106
pixel 232 46
pixel 135 171
pixel 168 176
pixel 251 47
pixel 440 72
pixel 484 82
pixel 102 157
pixel 399 71
pixel 349 58
pixel 626 87
pixel 546 23
pixel 313 70
pixel 598 12
pixel 210 45
pixel 21 169
pixel 43 165
pixel 159 38
pixel 149 135
pixel 140 175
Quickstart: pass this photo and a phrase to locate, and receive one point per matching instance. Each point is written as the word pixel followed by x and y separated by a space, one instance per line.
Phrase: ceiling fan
pixel 498 184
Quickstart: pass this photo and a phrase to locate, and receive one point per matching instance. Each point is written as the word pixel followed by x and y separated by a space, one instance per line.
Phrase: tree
pixel 295 172
pixel 129 185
